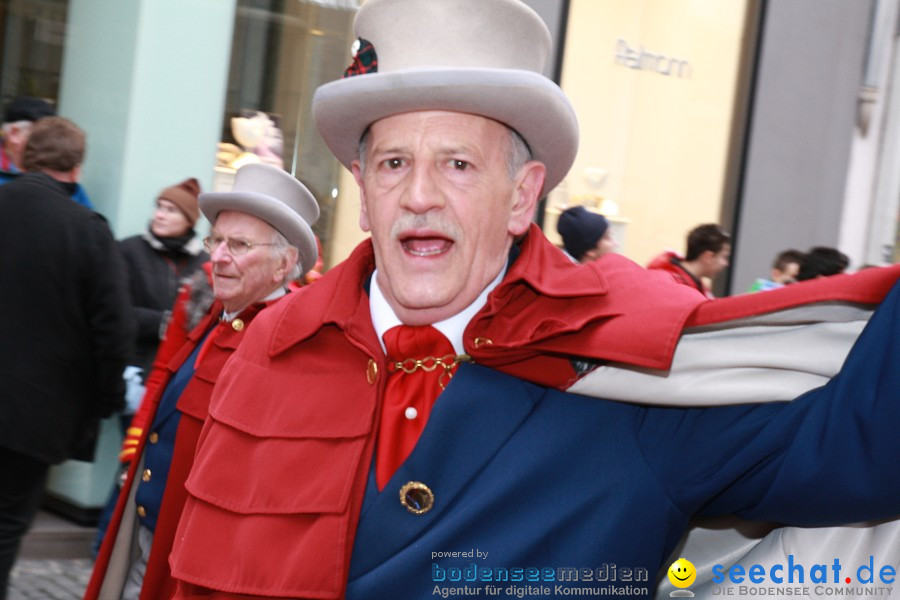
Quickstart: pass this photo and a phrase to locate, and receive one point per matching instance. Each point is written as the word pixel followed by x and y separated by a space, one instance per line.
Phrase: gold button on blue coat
pixel 416 497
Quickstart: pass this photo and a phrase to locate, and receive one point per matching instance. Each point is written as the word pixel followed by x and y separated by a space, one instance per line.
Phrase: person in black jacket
pixel 66 332
pixel 158 261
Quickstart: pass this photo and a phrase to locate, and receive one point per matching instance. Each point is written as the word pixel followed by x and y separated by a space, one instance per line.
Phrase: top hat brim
pixel 262 206
pixel 525 101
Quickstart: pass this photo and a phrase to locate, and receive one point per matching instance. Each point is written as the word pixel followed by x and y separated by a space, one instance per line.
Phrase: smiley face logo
pixel 682 573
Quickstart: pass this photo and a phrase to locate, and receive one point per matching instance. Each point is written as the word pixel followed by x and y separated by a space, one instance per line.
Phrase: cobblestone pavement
pixel 56 579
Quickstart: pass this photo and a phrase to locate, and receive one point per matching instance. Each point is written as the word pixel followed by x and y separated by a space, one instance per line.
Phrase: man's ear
pixel 286 263
pixel 529 183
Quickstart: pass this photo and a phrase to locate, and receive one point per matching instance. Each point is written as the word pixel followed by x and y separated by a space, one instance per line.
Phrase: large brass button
pixel 372 372
pixel 237 325
pixel 145 476
pixel 141 511
pixel 153 437
pixel 480 341
pixel 416 497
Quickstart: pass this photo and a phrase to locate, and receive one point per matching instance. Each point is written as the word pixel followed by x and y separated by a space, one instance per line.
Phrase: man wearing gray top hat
pixel 403 429
pixel 259 242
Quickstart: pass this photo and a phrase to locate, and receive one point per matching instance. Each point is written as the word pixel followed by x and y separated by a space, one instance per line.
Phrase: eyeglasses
pixel 236 247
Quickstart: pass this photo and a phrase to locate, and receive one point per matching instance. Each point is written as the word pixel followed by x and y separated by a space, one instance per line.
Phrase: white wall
pixel 146 79
pixel 802 125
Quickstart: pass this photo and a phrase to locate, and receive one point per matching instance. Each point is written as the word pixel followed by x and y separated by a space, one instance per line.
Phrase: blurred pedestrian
pixel 157 261
pixel 708 253
pixel 822 261
pixel 784 271
pixel 20 115
pixel 67 330
pixel 586 235
pixel 19 118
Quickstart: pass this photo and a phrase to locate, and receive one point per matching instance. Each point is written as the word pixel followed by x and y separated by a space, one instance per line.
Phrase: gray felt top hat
pixel 484 57
pixel 275 196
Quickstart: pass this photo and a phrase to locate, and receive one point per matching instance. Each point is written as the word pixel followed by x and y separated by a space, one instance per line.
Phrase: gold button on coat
pixel 480 341
pixel 142 512
pixel 145 476
pixel 372 372
pixel 237 325
pixel 153 437
pixel 416 497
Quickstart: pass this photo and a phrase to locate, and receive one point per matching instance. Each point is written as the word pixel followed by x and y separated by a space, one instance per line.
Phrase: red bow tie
pixel 421 362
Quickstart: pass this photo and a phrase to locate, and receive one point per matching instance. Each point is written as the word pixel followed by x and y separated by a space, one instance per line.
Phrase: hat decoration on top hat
pixel 484 57
pixel 276 197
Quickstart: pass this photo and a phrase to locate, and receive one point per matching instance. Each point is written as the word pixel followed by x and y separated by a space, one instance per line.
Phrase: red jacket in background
pixel 193 403
pixel 670 262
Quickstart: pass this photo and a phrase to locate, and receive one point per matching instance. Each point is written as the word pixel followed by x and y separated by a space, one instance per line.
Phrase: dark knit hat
pixel 184 196
pixel 580 229
pixel 26 108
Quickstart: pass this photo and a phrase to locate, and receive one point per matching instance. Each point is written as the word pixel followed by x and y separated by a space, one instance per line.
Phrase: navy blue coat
pixel 498 451
pixel 533 477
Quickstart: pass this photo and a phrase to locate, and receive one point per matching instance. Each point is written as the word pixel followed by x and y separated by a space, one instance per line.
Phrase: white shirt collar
pixel 229 316
pixel 383 316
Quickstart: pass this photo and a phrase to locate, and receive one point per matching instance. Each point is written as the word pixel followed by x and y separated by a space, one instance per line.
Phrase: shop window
pixel 32 33
pixel 281 52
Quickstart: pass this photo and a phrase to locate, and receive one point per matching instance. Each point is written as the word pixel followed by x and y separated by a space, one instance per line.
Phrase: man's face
pixel 788 275
pixel 16 137
pixel 715 262
pixel 605 245
pixel 239 281
pixel 438 199
pixel 168 220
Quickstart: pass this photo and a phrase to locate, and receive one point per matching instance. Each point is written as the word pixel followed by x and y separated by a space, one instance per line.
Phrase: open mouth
pixel 426 246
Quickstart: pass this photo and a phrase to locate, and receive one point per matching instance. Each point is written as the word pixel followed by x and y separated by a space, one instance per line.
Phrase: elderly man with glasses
pixel 260 241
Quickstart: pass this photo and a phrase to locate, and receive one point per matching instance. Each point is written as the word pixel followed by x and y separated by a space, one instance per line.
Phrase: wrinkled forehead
pixel 235 223
pixel 438 127
pixel 417 119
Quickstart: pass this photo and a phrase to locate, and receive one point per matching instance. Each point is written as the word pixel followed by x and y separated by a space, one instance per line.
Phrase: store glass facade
pixel 32 34
pixel 282 51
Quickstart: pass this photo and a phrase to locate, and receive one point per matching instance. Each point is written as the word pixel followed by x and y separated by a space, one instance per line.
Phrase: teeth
pixel 429 247
pixel 431 252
